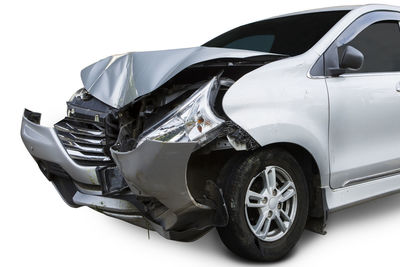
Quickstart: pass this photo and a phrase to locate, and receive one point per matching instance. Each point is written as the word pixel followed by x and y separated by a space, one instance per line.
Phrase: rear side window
pixel 380 44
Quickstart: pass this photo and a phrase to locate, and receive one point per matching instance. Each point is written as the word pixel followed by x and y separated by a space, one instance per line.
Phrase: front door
pixel 364 128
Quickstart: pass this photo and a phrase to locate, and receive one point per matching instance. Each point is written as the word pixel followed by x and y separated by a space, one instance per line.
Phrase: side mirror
pixel 349 59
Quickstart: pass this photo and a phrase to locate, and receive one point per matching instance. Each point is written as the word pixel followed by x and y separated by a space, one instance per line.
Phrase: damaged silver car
pixel 260 132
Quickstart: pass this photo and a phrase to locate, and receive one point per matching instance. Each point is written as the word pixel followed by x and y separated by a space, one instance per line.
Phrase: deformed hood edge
pixel 120 79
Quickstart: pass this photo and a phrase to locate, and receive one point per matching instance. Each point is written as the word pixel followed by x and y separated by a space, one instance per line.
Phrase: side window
pixel 380 44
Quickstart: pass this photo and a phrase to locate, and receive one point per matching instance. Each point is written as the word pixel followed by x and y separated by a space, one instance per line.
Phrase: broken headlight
pixel 193 121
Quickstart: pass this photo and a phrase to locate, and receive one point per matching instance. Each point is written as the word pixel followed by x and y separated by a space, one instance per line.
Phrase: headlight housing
pixel 193 121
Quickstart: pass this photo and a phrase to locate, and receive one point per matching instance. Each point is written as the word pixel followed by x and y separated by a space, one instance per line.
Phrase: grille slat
pixel 68 128
pixel 87 149
pixel 73 138
pixel 75 154
pixel 85 141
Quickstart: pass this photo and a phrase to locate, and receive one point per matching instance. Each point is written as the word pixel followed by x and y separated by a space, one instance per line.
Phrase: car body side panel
pixel 280 103
pixel 364 136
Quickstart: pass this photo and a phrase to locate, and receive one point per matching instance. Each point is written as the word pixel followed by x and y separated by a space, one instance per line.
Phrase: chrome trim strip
pixel 368 74
pixel 88 149
pixel 76 130
pixel 84 141
pixel 372 177
pixel 80 140
pixel 80 156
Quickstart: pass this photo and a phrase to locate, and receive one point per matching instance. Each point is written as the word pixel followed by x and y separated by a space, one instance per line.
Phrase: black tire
pixel 235 179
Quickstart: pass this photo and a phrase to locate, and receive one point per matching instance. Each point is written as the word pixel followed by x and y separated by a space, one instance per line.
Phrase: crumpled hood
pixel 120 79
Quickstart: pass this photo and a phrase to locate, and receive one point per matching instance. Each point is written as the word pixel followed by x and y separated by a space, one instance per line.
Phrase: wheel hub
pixel 271 203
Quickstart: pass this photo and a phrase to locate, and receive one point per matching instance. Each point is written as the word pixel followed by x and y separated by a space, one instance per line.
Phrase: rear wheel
pixel 267 200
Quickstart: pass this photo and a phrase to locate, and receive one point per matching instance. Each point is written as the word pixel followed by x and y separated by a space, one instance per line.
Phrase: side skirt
pixel 355 194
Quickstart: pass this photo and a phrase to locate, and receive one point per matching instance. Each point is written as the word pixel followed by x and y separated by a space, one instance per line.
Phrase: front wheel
pixel 267 199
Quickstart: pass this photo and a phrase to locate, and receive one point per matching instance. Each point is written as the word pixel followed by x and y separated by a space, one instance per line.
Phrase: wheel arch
pixel 311 172
pixel 211 165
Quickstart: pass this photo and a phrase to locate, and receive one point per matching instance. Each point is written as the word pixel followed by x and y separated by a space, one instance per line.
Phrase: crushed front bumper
pixel 155 172
pixel 43 144
pixel 78 185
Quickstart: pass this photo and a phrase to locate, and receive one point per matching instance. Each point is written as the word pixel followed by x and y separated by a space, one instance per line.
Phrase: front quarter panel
pixel 279 102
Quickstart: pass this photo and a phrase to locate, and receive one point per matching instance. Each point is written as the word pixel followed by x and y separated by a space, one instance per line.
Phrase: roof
pixel 326 9
pixel 343 8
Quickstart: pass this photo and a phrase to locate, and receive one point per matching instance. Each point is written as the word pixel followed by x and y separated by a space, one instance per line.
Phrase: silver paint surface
pixel 158 169
pixel 364 137
pixel 348 124
pixel 120 79
pixel 43 143
pixel 278 103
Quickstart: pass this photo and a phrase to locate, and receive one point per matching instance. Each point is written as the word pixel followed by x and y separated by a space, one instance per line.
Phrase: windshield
pixel 292 35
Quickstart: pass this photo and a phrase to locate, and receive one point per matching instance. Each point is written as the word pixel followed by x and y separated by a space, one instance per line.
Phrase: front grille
pixel 85 141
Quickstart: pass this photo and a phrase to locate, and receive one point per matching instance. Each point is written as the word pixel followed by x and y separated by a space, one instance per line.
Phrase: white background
pixel 43 47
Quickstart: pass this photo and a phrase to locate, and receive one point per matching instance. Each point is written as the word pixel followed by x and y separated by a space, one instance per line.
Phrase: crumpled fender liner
pixel 200 221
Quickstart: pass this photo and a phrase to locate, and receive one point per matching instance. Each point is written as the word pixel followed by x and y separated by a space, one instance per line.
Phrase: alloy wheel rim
pixel 271 204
